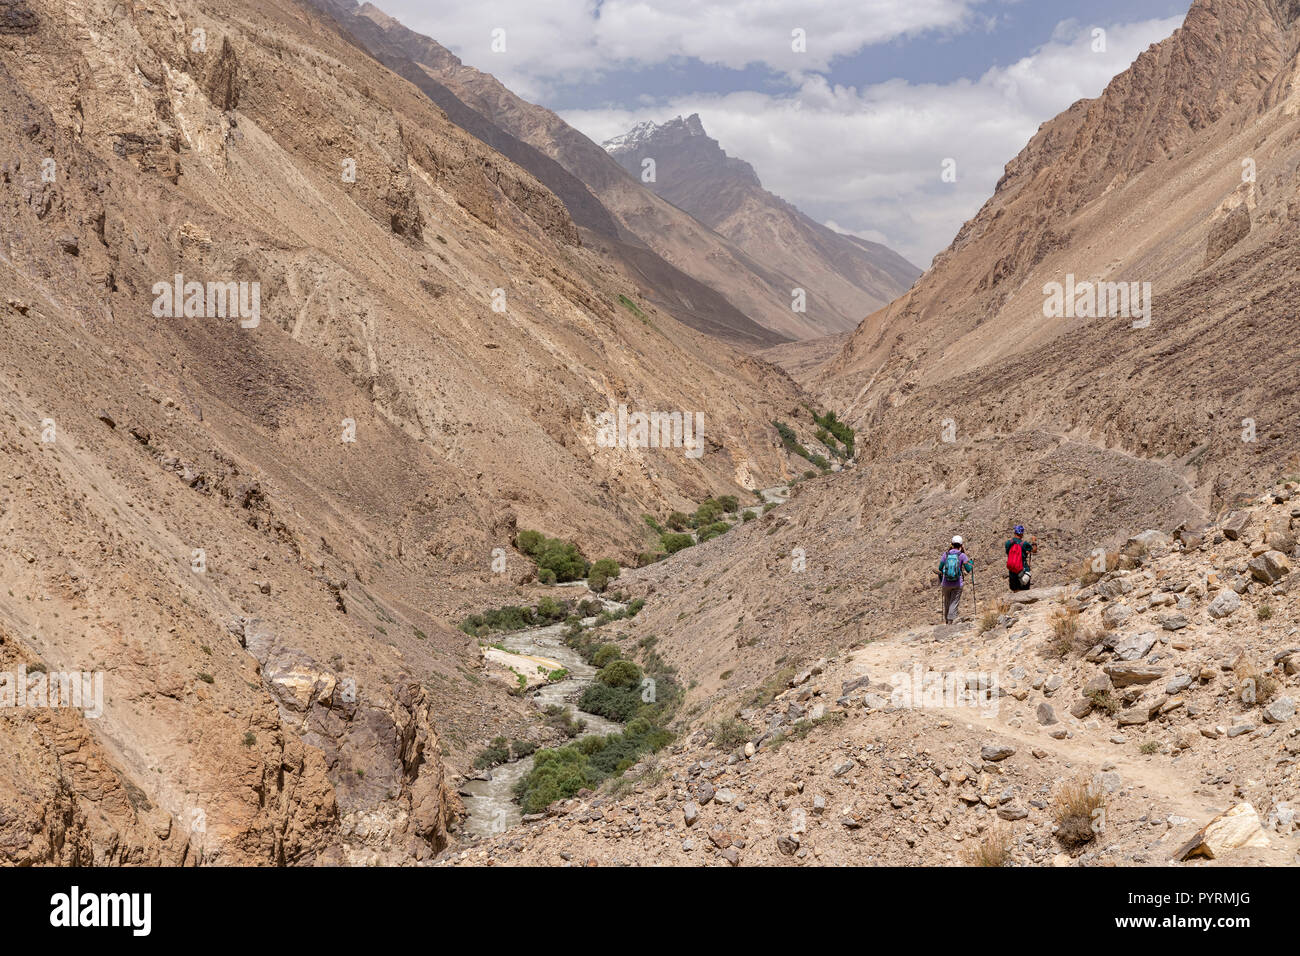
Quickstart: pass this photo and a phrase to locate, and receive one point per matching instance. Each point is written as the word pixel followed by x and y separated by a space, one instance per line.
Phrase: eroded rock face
pixel 1227 233
pixel 17 18
pixel 231 709
pixel 379 748
pixel 222 81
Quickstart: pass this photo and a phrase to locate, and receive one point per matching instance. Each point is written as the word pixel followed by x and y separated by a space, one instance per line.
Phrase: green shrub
pixel 561 558
pixel 706 513
pixel 601 573
pixel 562 772
pixel 514 618
pixel 522 748
pixel 495 753
pixel 620 673
pixel 530 542
pixel 613 703
pixel 605 654
pixel 672 543
pixel 838 429
pixel 677 521
pixel 556 774
pixel 709 532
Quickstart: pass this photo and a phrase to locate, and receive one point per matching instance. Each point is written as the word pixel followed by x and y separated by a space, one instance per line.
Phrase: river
pixel 489 804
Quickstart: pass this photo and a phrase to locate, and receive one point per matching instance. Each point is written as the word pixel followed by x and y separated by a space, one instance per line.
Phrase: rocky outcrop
pixel 1227 233
pixel 222 80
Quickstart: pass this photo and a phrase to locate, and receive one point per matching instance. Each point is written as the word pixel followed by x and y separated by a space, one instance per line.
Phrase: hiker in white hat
pixel 954 565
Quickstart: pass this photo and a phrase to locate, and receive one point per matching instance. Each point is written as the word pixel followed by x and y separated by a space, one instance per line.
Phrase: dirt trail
pixel 1088 747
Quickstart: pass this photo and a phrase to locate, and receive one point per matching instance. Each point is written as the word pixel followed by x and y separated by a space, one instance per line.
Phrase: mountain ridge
pixel 844 277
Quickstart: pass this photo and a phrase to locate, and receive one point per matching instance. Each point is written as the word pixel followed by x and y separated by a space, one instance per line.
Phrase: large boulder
pixel 1237 828
pixel 1235 524
pixel 1226 233
pixel 1115 615
pixel 1135 646
pixel 1146 541
pixel 1269 567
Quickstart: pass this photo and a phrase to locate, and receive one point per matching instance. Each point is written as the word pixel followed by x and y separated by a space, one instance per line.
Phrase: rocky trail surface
pixel 1166 686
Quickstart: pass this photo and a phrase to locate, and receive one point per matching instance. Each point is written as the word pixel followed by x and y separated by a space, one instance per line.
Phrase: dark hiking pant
pixel 951 600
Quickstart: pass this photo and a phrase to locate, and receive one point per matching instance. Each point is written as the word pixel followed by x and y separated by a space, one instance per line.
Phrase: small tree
pixel 601 573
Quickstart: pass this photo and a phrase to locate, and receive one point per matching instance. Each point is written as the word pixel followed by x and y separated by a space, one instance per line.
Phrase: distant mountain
pixel 647 223
pixel 845 277
pixel 419 60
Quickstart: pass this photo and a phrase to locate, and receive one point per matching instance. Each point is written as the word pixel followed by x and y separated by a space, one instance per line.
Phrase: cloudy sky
pixel 855 127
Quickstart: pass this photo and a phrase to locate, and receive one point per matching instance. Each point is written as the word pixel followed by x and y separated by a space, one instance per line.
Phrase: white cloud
pixel 573 40
pixel 870 159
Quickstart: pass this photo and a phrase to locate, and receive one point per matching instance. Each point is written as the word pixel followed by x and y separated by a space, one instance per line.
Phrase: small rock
pixel 995 752
pixel 1280 710
pixel 1224 605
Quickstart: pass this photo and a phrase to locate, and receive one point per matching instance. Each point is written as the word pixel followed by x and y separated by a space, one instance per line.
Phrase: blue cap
pixel 1020 529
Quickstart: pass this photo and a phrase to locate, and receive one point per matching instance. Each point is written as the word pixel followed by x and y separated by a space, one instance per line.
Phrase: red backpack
pixel 1015 558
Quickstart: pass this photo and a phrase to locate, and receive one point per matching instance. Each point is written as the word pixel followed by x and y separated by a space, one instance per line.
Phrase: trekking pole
pixel 973 596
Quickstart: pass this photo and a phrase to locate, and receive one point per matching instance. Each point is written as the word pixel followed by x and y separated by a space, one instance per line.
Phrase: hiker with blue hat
pixel 1018 552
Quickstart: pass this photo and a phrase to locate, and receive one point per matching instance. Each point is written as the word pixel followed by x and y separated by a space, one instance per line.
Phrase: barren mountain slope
pixel 844 277
pixel 183 506
pixel 757 288
pixel 1183 174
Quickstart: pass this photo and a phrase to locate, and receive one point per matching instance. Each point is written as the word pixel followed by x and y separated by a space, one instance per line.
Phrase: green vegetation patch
pixel 557 561
pixel 512 617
